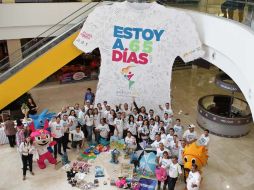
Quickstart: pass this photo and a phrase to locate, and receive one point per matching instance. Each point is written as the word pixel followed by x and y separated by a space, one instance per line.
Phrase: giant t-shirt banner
pixel 138 43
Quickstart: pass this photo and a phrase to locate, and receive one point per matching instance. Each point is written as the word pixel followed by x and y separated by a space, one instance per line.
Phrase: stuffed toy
pixel 161 174
pixel 121 183
pixel 99 171
pixel 42 138
pixel 114 156
pixel 194 154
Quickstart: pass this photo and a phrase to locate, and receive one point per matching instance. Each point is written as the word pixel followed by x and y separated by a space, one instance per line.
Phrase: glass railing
pixel 39 45
pixel 240 11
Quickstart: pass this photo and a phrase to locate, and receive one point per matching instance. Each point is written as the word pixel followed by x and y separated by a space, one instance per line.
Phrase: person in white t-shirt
pixel 130 142
pixel 78 138
pixel 65 124
pixel 143 131
pixel 157 120
pixel 167 109
pixel 169 137
pixel 104 105
pixel 178 129
pixel 72 120
pixel 118 124
pixel 88 105
pixel 153 128
pixel 160 150
pixel 163 135
pixel 135 114
pixel 190 135
pixel 204 139
pixel 77 108
pixel 167 122
pixel 89 119
pixel 131 126
pixel 164 162
pixel 180 157
pixel 96 118
pixel 110 120
pixel 174 146
pixel 125 109
pixel 151 114
pixel 57 131
pixel 102 130
pixel 194 178
pixel 157 141
pixel 174 172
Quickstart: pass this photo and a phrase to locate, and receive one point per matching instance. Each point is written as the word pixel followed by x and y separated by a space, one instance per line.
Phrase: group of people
pixel 134 124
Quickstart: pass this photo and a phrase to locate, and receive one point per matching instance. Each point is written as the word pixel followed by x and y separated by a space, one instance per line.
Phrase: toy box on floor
pixel 115 143
pixel 92 151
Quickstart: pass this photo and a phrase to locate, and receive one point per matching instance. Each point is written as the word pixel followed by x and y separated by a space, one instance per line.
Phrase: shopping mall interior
pixel 214 92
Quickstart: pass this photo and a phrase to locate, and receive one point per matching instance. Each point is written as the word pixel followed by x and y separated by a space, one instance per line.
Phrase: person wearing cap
pixel 89 95
pixel 190 135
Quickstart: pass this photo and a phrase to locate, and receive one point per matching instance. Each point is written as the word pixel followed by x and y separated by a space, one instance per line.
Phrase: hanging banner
pixel 138 43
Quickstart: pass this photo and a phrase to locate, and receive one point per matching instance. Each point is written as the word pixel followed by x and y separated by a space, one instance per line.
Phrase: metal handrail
pixel 28 43
pixel 44 48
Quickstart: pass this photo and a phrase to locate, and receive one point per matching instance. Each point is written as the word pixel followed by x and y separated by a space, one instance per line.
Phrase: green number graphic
pixel 134 45
pixel 148 47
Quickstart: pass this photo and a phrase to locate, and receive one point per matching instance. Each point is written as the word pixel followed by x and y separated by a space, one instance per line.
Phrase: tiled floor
pixel 230 164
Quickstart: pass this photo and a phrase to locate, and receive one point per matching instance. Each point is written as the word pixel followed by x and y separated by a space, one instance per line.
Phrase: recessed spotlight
pixel 227 186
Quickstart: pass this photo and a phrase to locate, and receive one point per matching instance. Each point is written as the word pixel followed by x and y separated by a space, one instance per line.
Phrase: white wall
pixel 30 19
pixel 230 47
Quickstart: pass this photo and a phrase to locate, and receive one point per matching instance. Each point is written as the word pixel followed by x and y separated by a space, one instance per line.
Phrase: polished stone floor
pixel 230 164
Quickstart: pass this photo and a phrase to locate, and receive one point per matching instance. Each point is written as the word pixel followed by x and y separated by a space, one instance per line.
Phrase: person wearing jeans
pixel 173 173
pixel 57 131
pixel 89 120
pixel 26 149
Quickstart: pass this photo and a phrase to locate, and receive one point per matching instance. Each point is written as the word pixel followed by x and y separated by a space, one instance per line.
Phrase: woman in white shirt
pixel 194 178
pixel 102 130
pixel 144 131
pixel 132 126
pixel 110 120
pixel 27 149
pixel 130 141
pixel 89 120
pixel 73 120
pixel 173 173
pixel 164 162
pixel 96 119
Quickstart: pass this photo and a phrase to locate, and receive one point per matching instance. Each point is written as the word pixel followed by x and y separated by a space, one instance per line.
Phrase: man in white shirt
pixel 178 129
pixel 65 124
pixel 106 112
pixel 125 109
pixel 194 178
pixel 204 139
pixel 151 114
pixel 119 125
pixel 167 122
pixel 57 131
pixel 153 128
pixel 160 150
pixel 167 109
pixel 190 135
pixel 157 141
pixel 180 157
pixel 170 137
pixel 78 138
pixel 174 146
pixel 88 105
pixel 174 172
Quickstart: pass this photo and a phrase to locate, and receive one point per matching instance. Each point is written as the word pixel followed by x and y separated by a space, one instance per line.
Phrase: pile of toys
pixel 92 151
pixel 115 143
pixel 126 183
pixel 76 173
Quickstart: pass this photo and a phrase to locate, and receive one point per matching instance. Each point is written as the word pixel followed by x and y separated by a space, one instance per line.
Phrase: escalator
pixel 43 57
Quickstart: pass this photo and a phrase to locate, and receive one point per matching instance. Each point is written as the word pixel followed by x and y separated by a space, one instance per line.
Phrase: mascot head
pixel 41 137
pixel 194 154
pixel 39 127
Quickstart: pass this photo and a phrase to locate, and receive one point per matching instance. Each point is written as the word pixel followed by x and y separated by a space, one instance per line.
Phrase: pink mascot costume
pixel 42 139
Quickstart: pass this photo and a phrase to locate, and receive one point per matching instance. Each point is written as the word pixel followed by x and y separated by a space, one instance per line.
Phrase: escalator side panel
pixel 38 70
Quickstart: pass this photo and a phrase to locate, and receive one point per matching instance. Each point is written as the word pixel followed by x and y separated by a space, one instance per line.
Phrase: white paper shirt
pixel 138 51
pixel 203 140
